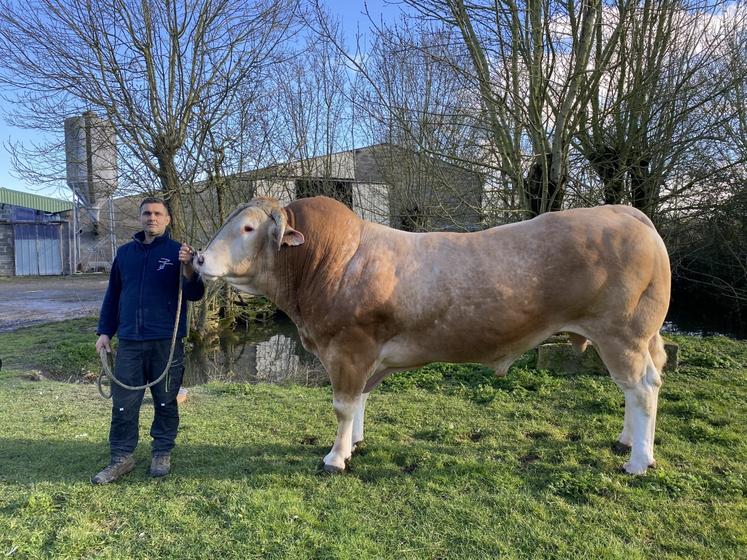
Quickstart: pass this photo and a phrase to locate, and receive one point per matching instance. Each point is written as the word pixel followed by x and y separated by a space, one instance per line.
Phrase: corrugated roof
pixel 35 201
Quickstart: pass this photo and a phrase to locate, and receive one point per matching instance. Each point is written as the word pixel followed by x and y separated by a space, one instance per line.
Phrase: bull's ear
pixel 292 237
pixel 281 232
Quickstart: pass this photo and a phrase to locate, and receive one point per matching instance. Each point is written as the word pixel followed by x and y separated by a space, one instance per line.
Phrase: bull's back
pixel 454 293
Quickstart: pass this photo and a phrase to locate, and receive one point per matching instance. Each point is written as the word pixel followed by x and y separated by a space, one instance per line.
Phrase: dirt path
pixel 27 300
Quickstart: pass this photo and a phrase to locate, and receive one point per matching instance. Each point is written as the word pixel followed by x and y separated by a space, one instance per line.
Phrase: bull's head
pixel 243 250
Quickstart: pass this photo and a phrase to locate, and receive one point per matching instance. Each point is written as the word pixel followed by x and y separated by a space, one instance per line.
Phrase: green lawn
pixel 457 464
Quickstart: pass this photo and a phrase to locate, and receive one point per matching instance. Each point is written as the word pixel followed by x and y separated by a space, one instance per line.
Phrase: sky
pixel 350 12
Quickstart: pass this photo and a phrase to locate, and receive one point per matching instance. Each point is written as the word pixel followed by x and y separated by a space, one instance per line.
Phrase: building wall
pixel 425 194
pixel 371 202
pixel 284 190
pixel 95 239
pixel 337 166
pixel 391 186
pixel 7 247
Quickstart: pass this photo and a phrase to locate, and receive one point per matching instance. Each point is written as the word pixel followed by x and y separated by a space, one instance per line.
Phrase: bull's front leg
pixel 360 413
pixel 345 407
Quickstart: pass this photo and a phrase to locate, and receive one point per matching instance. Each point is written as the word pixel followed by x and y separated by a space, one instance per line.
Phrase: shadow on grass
pixel 32 461
pixel 567 469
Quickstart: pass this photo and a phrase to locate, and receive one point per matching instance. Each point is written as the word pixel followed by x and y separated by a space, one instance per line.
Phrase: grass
pixel 456 464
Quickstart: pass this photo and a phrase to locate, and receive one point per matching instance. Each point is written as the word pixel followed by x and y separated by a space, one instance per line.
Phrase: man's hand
pixel 185 257
pixel 103 342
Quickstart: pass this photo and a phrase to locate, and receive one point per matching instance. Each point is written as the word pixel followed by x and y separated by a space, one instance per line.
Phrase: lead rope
pixel 106 357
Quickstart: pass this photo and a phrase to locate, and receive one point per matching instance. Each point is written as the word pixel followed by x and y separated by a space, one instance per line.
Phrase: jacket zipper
pixel 140 325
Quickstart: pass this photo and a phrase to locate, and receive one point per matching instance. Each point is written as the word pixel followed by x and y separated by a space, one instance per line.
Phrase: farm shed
pixel 34 234
pixel 382 183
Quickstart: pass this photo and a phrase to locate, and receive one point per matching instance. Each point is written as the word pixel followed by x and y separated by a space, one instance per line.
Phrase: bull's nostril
pixel 200 260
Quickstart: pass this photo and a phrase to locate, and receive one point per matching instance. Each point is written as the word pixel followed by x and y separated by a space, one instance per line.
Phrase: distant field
pixel 456 464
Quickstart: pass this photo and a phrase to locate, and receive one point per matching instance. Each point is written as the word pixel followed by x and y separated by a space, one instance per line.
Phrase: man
pixel 140 306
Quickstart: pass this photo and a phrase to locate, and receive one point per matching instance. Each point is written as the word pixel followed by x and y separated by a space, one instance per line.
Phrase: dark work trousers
pixel 138 363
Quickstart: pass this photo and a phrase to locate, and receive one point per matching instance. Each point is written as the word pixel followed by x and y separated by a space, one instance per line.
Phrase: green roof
pixel 35 201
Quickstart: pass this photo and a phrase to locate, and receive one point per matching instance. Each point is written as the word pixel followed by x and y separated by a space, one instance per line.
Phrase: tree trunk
pixel 607 163
pixel 642 187
pixel 543 193
pixel 169 179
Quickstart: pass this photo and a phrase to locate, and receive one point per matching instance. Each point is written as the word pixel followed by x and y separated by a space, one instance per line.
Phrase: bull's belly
pixel 406 351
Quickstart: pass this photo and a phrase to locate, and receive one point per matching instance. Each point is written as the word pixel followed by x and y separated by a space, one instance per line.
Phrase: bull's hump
pixel 332 233
pixel 324 206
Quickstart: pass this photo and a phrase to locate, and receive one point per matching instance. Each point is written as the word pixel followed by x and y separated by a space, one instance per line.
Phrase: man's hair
pixel 155 200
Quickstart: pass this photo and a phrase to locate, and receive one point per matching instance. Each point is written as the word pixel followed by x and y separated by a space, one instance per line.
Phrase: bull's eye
pixel 248 228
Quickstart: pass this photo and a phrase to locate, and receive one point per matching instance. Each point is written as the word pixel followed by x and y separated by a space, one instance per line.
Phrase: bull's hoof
pixel 632 471
pixel 637 470
pixel 359 448
pixel 621 448
pixel 332 469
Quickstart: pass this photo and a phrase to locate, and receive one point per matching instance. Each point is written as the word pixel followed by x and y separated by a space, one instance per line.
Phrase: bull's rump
pixel 480 296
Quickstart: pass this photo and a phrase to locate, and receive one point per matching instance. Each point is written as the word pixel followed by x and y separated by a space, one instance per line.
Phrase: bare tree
pixel 527 61
pixel 164 73
pixel 312 110
pixel 653 126
pixel 413 101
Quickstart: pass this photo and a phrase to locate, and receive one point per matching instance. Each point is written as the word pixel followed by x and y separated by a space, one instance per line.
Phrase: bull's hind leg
pixel 635 371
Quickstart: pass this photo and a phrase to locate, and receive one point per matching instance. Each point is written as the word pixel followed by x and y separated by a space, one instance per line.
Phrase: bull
pixel 370 300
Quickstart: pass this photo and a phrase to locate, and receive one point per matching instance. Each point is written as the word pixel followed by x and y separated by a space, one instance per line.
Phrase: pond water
pixel 702 315
pixel 272 352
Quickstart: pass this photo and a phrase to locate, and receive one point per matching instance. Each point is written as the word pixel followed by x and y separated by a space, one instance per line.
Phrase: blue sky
pixel 351 13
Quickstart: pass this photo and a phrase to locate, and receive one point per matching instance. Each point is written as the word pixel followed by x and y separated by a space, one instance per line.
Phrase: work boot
pixel 117 467
pixel 160 465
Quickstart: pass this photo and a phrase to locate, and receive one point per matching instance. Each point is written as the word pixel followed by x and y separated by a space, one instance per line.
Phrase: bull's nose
pixel 200 260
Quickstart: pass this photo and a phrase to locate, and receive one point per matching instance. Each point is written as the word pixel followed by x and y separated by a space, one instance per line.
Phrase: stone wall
pixel 7 250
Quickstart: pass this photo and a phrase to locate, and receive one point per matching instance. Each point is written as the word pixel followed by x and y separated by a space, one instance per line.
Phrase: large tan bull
pixel 369 300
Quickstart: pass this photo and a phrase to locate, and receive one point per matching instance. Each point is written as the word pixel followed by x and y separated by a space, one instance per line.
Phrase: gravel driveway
pixel 30 300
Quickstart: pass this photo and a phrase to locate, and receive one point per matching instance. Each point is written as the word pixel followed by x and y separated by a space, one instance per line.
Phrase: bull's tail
pixel 657 352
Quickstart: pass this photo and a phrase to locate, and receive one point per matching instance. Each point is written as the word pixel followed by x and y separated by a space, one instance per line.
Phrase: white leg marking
pixel 342 449
pixel 360 413
pixel 643 399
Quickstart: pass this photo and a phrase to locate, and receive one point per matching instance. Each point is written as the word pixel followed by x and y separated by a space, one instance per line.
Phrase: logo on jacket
pixel 164 262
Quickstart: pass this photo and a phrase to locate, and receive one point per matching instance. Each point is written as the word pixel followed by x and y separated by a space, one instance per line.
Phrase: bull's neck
pixel 284 291
pixel 307 277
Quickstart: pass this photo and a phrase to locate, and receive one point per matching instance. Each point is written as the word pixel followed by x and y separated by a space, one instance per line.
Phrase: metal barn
pixel 34 234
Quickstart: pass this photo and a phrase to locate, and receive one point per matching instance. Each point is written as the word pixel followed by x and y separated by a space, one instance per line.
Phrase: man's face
pixel 154 218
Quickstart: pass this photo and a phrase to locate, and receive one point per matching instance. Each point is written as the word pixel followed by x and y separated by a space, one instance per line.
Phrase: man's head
pixel 154 217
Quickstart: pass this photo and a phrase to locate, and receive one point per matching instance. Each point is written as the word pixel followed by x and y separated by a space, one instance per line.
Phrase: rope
pixel 107 360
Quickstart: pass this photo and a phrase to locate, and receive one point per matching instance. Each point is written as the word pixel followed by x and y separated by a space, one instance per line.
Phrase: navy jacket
pixel 140 302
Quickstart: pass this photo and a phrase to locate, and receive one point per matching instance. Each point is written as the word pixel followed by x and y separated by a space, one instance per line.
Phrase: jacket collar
pixel 139 237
